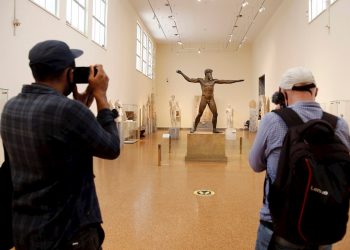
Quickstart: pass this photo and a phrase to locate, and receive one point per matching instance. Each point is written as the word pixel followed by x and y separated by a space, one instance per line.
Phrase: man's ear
pixel 316 92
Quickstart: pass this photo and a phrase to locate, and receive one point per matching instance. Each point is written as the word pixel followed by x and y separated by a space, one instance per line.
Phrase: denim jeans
pixel 264 237
pixel 88 238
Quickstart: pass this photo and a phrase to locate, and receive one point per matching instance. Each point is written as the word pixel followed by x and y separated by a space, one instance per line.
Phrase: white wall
pixel 289 40
pixel 225 65
pixel 126 83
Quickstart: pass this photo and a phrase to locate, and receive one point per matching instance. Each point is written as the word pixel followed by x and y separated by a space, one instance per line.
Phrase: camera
pixel 81 74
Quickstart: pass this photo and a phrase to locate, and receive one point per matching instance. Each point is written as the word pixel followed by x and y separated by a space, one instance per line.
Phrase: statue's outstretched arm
pixel 186 77
pixel 227 81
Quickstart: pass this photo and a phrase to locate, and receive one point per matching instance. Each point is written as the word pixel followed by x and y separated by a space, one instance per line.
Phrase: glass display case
pixel 340 108
pixel 130 125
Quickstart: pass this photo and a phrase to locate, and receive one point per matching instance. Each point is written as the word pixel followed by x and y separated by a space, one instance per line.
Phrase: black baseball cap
pixel 54 54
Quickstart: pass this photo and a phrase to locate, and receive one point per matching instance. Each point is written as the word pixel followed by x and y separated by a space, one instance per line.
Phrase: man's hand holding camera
pixel 97 88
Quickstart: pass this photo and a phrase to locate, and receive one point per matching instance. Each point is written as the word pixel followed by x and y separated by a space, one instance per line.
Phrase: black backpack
pixel 309 200
pixel 6 191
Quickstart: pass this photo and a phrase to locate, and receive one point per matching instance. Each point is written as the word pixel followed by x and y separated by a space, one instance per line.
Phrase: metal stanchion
pixel 240 145
pixel 159 154
pixel 169 144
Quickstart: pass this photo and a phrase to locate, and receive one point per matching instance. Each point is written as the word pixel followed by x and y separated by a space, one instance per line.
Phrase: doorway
pixel 261 95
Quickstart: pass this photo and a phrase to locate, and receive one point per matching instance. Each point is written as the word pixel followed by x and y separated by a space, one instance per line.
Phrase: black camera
pixel 81 74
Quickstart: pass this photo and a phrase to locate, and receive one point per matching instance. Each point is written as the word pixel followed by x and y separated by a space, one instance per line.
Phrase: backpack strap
pixel 289 116
pixel 331 119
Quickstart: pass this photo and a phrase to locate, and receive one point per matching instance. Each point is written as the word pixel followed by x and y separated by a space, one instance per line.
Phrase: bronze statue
pixel 207 85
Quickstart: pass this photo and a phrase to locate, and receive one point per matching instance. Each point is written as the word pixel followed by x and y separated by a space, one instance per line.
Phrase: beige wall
pixel 225 65
pixel 286 41
pixel 289 40
pixel 126 83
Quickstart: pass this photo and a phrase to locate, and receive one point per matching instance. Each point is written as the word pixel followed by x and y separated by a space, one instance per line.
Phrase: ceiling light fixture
pixel 262 9
pixel 235 25
pixel 199 51
pixel 155 17
pixel 244 38
pixel 172 16
pixel 245 3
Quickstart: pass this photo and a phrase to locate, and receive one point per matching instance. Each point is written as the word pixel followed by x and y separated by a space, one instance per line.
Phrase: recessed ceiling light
pixel 262 9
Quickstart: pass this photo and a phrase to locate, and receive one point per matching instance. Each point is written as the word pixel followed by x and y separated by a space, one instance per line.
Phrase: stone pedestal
pixel 206 146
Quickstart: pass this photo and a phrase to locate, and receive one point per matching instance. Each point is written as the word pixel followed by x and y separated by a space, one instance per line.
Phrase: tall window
pixel 99 22
pixel 144 52
pixel 138 48
pixel 150 59
pixel 76 14
pixel 49 5
pixel 316 7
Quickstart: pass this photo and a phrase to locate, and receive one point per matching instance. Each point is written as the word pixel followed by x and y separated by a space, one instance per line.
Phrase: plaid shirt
pixel 51 141
pixel 266 149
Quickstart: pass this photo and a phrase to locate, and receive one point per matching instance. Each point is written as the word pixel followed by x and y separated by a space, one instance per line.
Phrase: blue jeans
pixel 264 238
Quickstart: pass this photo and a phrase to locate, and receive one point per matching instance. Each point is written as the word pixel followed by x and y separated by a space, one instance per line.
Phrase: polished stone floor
pixel 147 206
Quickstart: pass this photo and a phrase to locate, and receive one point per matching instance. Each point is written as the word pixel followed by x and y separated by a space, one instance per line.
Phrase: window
pixel 99 22
pixel 316 7
pixel 150 61
pixel 76 14
pixel 138 48
pixel 49 5
pixel 144 52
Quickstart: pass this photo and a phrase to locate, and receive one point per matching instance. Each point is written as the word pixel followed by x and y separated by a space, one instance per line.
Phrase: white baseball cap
pixel 297 77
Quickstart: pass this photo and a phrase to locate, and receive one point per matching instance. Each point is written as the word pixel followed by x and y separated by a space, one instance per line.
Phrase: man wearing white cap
pixel 299 89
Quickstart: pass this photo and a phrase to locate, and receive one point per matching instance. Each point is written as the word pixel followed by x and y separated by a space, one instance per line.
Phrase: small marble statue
pixel 174 110
pixel 229 116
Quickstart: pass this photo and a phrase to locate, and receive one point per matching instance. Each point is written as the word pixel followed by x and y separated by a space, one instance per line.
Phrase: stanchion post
pixel 169 143
pixel 159 154
pixel 240 145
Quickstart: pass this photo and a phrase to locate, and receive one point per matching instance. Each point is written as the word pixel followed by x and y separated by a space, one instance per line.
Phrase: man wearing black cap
pixel 51 140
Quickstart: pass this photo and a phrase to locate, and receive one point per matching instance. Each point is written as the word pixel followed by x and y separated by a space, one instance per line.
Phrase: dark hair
pixel 42 72
pixel 278 99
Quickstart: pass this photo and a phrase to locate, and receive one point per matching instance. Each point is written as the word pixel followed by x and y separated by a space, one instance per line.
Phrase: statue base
pixel 206 146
